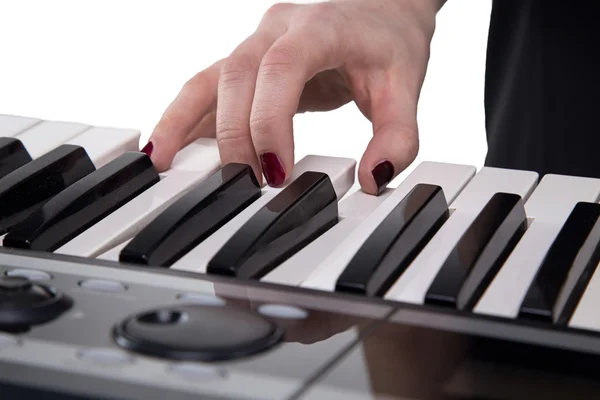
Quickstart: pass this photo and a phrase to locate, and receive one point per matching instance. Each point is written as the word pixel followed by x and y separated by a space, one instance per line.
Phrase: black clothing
pixel 542 95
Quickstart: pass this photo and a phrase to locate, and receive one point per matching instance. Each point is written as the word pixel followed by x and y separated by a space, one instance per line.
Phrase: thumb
pixel 395 141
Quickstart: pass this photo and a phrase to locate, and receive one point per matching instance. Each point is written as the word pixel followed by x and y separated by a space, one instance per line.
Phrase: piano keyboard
pixel 494 246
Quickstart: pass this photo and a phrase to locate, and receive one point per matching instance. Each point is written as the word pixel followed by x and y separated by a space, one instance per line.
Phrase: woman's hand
pixel 313 57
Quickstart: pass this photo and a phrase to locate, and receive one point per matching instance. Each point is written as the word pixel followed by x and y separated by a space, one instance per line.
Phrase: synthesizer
pixel 119 282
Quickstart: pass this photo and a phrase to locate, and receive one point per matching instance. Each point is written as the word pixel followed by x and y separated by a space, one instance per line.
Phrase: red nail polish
pixel 148 149
pixel 272 169
pixel 383 174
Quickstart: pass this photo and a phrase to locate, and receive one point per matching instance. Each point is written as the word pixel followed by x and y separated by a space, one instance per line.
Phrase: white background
pixel 121 62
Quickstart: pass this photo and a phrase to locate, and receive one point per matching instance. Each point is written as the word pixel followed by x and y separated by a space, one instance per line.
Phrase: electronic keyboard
pixel 120 282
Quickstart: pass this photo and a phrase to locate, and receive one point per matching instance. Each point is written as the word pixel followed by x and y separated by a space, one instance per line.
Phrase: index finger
pixel 286 67
pixel 196 100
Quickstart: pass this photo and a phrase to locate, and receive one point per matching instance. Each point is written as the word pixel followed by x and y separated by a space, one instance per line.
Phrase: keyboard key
pixel 297 215
pixel 340 171
pixel 84 203
pixel 397 240
pixel 452 178
pixel 105 144
pixel 48 135
pixel 12 155
pixel 12 125
pixel 30 186
pixel 191 165
pixel 549 207
pixel 353 209
pixel 479 253
pixel 194 217
pixel 543 294
pixel 412 286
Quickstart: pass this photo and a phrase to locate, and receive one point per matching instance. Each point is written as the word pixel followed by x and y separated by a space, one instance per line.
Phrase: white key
pixel 105 144
pixel 341 172
pixel 113 253
pixel 353 209
pixel 191 165
pixel 549 206
pixel 48 135
pixel 451 177
pixel 12 125
pixel 412 286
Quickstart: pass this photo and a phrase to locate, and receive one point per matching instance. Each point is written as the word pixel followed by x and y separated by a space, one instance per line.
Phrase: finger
pixel 196 99
pixel 395 141
pixel 206 128
pixel 236 90
pixel 291 62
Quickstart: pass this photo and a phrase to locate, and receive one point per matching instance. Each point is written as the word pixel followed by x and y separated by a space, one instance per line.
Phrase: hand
pixel 312 57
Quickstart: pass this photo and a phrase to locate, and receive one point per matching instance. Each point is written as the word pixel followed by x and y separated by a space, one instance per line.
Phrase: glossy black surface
pixel 293 218
pixel 544 291
pixel 84 203
pixel 480 253
pixel 403 359
pixel 24 303
pixel 199 333
pixel 12 155
pixel 194 217
pixel 396 242
pixel 30 186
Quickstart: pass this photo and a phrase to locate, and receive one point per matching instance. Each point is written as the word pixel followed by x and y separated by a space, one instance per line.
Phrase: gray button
pixel 202 299
pixel 282 311
pixel 31 274
pixel 103 285
pixel 196 371
pixel 109 357
pixel 7 341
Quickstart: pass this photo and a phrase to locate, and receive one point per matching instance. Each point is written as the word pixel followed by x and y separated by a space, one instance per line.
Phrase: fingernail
pixel 383 173
pixel 148 148
pixel 272 169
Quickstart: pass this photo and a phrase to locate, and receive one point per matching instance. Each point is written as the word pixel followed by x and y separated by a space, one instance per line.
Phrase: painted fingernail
pixel 272 169
pixel 383 174
pixel 148 148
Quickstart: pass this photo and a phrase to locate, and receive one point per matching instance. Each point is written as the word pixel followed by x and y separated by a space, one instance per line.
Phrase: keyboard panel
pixel 488 242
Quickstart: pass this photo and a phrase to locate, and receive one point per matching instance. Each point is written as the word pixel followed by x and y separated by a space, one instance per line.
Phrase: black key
pixel 392 247
pixel 27 188
pixel 194 217
pixel 12 155
pixel 580 273
pixel 84 203
pixel 480 253
pixel 573 238
pixel 297 215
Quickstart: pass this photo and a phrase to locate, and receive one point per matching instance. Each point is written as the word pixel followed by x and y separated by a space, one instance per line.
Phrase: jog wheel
pixel 197 333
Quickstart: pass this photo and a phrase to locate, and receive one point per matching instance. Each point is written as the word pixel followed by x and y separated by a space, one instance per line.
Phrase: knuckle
pixel 322 15
pixel 277 9
pixel 230 135
pixel 260 124
pixel 237 67
pixel 281 59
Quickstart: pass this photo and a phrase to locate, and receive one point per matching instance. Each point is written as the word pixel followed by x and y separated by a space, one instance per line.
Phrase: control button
pixel 196 371
pixel 282 311
pixel 108 357
pixel 31 274
pixel 191 332
pixel 103 285
pixel 25 303
pixel 14 284
pixel 202 299
pixel 7 341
